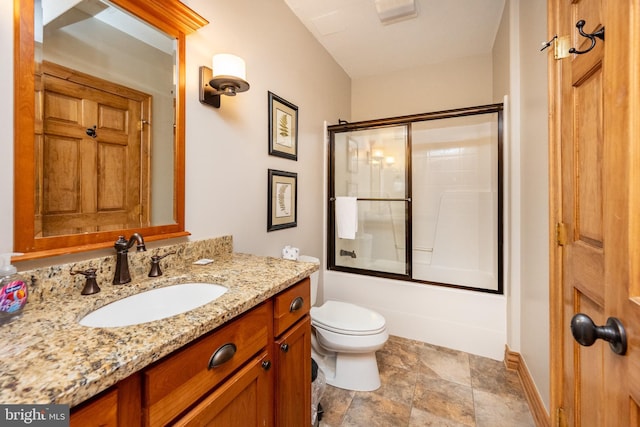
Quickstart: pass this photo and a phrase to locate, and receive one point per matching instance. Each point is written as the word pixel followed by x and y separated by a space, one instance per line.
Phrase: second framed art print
pixel 282 200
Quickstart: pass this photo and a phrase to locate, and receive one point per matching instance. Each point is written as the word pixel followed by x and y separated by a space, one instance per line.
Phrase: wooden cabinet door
pixel 118 406
pixel 293 376
pixel 245 400
pixel 101 412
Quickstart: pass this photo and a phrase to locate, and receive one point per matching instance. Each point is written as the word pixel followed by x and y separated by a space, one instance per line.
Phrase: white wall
pixel 500 57
pixel 520 72
pixel 534 166
pixel 6 126
pixel 227 148
pixel 464 82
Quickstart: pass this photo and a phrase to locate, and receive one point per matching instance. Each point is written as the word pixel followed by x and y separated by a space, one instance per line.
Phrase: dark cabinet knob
pixel 284 347
pixel 266 365
pixel 586 332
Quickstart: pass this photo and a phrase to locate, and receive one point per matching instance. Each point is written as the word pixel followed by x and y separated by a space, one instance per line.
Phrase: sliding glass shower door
pixel 455 201
pixel 419 198
pixel 370 177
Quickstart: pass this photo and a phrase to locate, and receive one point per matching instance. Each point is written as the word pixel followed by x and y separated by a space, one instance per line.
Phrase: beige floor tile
pixel 446 399
pixel 499 411
pixel 396 384
pixel 440 362
pixel 335 402
pixel 427 385
pixel 371 410
pixel 400 353
pixel 420 418
pixel 492 376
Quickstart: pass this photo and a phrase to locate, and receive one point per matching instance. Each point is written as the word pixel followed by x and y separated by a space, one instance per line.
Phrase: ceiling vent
pixel 391 11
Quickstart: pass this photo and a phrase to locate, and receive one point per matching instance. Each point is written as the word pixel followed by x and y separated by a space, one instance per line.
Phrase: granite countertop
pixel 48 357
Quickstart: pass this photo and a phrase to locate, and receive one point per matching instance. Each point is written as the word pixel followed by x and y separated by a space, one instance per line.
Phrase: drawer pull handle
pixel 266 365
pixel 284 347
pixel 222 355
pixel 296 304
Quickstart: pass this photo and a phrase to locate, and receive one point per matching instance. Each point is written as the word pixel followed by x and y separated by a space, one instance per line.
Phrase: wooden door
pixel 92 162
pixel 595 159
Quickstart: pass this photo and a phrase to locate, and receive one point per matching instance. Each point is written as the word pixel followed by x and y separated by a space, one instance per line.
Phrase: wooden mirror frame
pixel 172 17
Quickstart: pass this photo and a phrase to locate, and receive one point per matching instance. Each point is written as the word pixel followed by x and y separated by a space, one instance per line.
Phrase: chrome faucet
pixel 122 246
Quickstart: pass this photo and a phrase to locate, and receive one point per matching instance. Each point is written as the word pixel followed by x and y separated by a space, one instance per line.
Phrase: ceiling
pixel 443 30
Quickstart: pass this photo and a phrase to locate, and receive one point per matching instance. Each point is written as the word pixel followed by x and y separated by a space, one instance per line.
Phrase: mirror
pixel 99 96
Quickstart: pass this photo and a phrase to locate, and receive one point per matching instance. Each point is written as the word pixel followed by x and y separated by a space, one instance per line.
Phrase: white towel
pixel 347 217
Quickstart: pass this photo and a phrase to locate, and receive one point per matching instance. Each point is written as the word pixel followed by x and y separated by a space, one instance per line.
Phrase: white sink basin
pixel 154 304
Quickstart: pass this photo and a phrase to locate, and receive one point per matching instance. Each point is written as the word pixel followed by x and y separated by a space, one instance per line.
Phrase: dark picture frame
pixel 283 128
pixel 282 200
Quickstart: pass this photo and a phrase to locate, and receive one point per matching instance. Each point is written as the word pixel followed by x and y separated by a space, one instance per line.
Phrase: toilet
pixel 344 340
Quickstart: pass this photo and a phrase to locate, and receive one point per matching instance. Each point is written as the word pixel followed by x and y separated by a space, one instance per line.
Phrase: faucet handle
pixel 155 264
pixel 91 286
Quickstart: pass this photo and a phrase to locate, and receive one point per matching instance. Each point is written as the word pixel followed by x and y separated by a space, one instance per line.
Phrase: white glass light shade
pixel 378 154
pixel 225 64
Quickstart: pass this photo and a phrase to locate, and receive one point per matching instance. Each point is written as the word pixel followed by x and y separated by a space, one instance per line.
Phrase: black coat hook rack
pixel 592 36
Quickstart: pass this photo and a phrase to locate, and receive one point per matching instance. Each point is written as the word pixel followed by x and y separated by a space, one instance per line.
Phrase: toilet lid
pixel 346 318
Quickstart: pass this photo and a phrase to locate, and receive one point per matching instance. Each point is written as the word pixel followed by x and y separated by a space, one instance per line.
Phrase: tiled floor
pixel 426 385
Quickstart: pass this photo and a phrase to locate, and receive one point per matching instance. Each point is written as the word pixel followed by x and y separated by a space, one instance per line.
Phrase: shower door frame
pixel 407 121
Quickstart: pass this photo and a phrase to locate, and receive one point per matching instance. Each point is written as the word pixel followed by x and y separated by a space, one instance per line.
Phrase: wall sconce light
pixel 227 77
pixel 377 155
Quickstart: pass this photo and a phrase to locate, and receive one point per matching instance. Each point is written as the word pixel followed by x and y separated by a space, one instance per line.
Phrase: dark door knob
pixel 586 332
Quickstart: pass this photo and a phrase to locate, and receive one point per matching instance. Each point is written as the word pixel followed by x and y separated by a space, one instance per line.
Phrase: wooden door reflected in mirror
pixel 93 145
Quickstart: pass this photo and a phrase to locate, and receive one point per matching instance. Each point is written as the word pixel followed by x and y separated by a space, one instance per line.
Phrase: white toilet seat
pixel 338 342
pixel 347 319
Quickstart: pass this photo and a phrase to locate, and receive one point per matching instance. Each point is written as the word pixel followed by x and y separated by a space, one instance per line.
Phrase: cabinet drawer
pixel 291 305
pixel 182 378
pixel 244 400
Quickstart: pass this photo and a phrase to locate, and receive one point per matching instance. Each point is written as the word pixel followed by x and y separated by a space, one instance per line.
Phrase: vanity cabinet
pixel 173 384
pixel 252 371
pixel 116 406
pixel 293 345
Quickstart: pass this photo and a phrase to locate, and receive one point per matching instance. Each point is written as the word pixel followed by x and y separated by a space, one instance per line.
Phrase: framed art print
pixel 283 128
pixel 282 200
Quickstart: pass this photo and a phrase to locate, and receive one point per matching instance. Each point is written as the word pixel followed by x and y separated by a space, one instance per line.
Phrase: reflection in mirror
pixel 105 88
pixel 99 149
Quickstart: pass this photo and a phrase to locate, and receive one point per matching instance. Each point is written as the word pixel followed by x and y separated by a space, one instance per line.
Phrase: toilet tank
pixel 314 276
